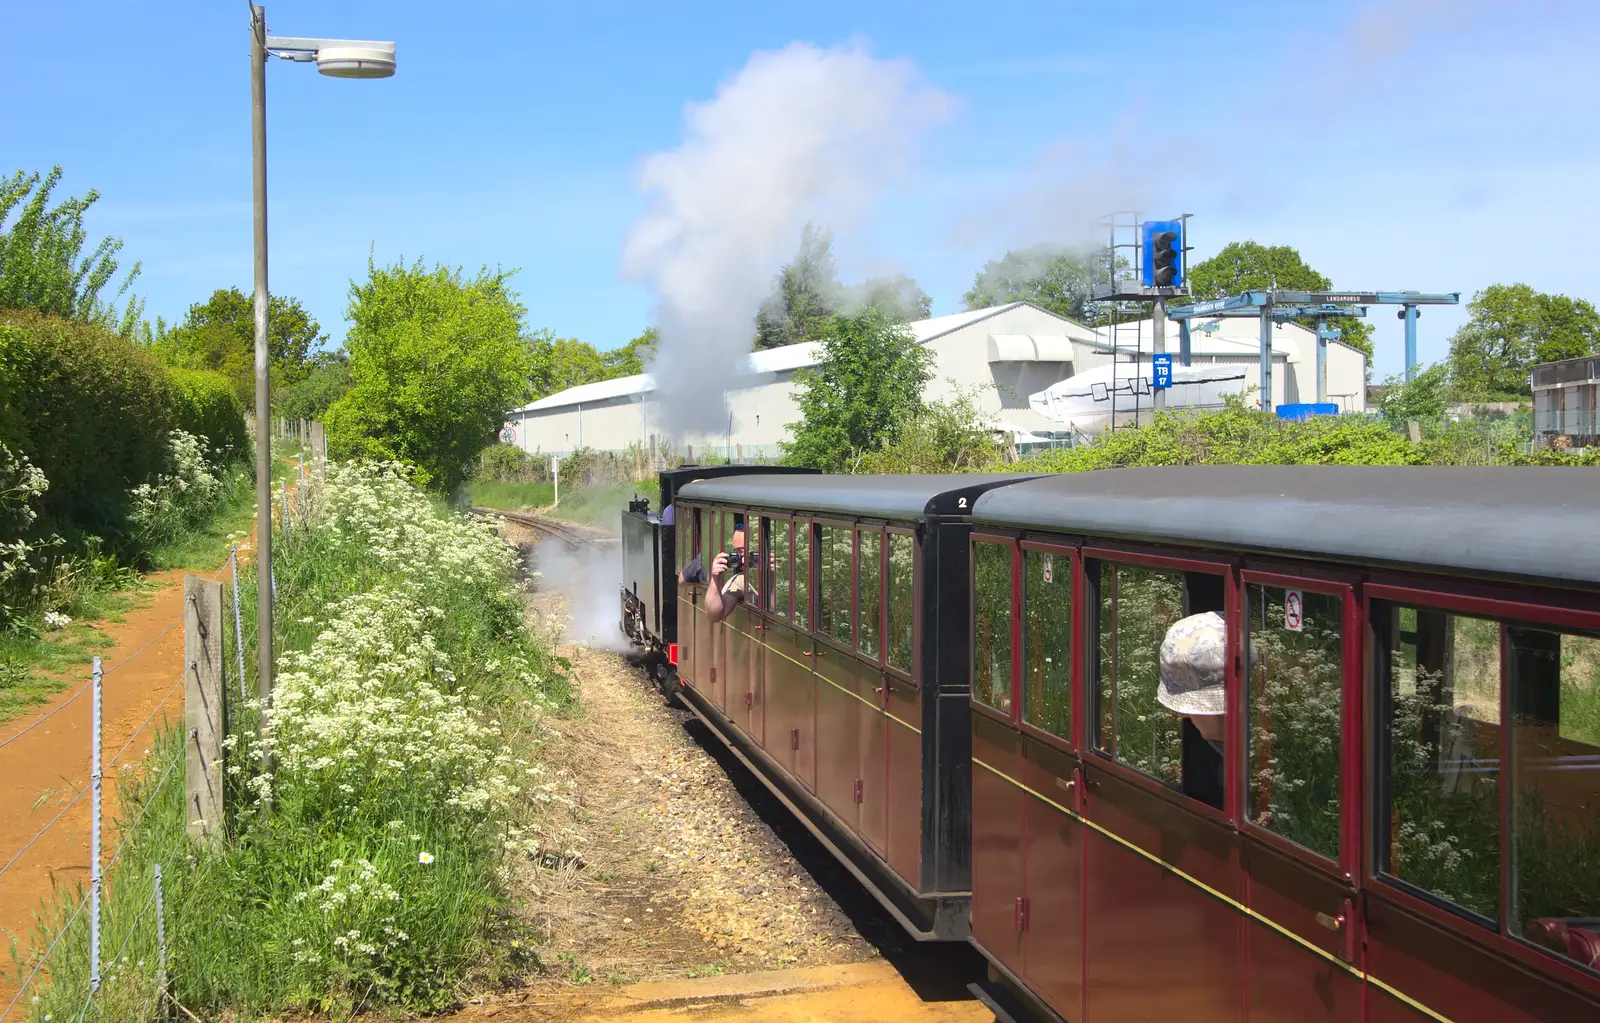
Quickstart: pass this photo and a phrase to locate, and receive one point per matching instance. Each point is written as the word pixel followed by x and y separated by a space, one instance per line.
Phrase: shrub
pixel 507 463
pixel 90 409
pixel 208 408
pixel 1236 435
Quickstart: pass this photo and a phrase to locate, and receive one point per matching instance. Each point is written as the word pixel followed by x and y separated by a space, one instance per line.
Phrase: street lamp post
pixel 338 58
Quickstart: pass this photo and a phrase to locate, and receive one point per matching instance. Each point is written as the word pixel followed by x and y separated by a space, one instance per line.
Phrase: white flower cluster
pixel 346 898
pixel 21 483
pixel 373 507
pixel 367 708
pixel 180 497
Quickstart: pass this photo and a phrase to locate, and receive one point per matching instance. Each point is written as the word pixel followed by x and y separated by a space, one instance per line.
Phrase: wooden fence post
pixel 318 447
pixel 203 706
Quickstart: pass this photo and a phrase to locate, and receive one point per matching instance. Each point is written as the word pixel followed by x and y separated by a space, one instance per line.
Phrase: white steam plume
pixel 797 134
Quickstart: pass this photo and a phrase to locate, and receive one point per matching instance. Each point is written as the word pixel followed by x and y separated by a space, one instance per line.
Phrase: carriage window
pixel 902 601
pixel 710 532
pixel 991 625
pixel 1442 726
pixel 779 532
pixel 1554 680
pixel 870 591
pixel 683 523
pixel 1168 728
pixel 802 573
pixel 1296 704
pixel 834 582
pixel 1047 641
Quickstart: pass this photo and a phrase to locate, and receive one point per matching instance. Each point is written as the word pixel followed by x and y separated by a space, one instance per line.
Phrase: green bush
pixel 89 409
pixel 1235 435
pixel 207 407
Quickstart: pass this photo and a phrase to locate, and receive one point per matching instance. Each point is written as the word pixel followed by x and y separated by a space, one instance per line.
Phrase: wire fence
pixel 70 977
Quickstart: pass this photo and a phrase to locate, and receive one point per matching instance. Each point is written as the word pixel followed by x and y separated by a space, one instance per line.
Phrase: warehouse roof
pixel 771 360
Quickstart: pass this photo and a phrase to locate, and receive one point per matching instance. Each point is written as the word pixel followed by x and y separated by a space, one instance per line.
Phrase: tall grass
pixel 368 869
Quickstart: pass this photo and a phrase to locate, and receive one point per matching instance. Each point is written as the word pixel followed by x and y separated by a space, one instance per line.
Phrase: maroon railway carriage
pixel 1406 817
pixel 843 683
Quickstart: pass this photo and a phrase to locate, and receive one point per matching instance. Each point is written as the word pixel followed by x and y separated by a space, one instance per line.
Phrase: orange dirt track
pixel 42 771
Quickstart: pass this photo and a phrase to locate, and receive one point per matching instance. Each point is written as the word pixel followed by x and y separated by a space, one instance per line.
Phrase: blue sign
pixel 1307 410
pixel 1161 371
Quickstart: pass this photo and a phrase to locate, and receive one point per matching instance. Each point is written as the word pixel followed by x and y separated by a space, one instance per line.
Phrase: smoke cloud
pixel 797 134
pixel 587 577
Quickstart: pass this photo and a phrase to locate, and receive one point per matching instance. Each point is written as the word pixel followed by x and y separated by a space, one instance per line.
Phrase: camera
pixel 735 561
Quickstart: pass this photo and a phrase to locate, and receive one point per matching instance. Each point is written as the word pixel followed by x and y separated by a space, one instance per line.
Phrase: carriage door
pixel 1300 653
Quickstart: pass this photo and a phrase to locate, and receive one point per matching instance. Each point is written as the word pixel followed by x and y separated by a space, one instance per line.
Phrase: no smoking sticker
pixel 1049 568
pixel 1294 612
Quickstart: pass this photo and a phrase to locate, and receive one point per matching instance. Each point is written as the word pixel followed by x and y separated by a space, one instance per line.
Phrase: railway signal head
pixel 1163 253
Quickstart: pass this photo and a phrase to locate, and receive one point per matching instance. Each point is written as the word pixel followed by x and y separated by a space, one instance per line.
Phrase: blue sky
pixel 1439 145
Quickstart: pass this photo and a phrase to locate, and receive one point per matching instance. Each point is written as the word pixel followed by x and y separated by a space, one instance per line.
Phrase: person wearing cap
pixel 1194 657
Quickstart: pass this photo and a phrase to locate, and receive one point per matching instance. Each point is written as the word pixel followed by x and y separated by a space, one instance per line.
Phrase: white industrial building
pixel 1003 353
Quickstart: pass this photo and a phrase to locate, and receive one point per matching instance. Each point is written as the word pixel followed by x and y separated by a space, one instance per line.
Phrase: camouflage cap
pixel 1194 666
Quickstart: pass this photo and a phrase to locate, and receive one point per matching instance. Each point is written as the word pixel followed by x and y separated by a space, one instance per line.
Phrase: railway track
pixel 567 534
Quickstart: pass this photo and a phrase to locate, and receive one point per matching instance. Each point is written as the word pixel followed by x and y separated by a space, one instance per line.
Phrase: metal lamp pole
pixel 258 125
pixel 337 58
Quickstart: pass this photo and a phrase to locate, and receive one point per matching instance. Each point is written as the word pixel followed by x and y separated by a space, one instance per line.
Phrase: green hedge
pixel 93 410
pixel 208 407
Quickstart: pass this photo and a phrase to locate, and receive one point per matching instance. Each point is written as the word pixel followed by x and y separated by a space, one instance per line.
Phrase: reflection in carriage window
pixel 780 566
pixel 1137 608
pixel 1442 818
pixel 902 597
pixel 870 591
pixel 1296 702
pixel 802 574
pixel 1554 682
pixel 834 605
pixel 1047 641
pixel 991 625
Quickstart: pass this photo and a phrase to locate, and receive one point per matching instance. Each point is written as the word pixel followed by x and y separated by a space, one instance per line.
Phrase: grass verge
pixel 370 868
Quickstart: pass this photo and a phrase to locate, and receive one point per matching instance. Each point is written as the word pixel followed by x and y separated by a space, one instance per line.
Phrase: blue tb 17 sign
pixel 1161 371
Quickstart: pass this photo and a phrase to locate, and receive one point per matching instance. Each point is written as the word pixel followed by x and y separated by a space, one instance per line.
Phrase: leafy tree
pixel 899 298
pixel 1512 327
pixel 562 362
pixel 219 334
pixel 857 399
pixel 1251 266
pixel 807 297
pixel 326 381
pixel 632 357
pixel 436 359
pixel 1050 276
pixel 804 295
pixel 1421 399
pixel 42 263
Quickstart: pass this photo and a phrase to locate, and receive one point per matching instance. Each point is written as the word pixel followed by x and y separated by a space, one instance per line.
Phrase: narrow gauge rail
pixel 1392 812
pixel 567 534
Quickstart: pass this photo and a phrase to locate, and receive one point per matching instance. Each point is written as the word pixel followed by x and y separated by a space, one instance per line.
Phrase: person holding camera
pixel 722 597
